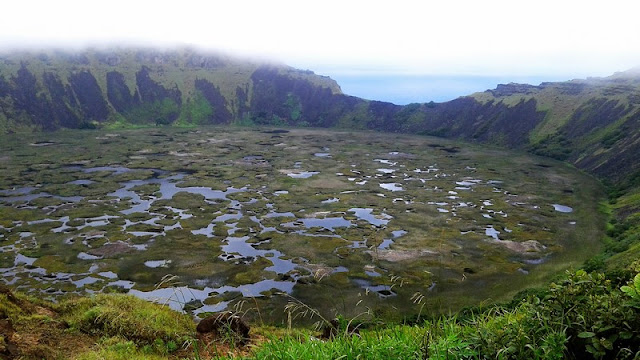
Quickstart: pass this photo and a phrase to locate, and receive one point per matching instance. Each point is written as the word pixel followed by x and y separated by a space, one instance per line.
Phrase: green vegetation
pixel 555 146
pixel 196 111
pixel 163 112
pixel 127 317
pixel 119 349
pixel 294 107
pixel 116 326
pixel 394 341
pixel 622 240
pixel 580 315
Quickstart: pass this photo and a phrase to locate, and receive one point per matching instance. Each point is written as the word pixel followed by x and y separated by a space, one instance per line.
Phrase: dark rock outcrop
pixel 151 91
pixel 63 102
pixel 513 88
pixel 218 103
pixel 119 94
pixel 595 114
pixel 222 325
pixel 90 99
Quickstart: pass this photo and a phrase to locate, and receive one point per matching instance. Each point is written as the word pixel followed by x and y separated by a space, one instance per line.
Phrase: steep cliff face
pixel 593 123
pixel 119 95
pixel 49 90
pixel 465 118
pixel 281 99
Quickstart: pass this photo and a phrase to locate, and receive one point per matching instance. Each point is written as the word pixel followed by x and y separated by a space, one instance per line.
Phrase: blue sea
pixel 406 89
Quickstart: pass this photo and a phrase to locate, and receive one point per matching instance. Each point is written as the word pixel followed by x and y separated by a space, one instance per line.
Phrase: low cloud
pixel 467 38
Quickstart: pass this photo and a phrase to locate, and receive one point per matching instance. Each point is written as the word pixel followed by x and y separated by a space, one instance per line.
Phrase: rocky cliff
pixel 95 88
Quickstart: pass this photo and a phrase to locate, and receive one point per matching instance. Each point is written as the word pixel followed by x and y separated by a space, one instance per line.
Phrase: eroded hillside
pixel 591 123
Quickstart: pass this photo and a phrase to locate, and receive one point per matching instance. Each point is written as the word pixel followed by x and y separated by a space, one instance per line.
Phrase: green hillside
pixel 587 122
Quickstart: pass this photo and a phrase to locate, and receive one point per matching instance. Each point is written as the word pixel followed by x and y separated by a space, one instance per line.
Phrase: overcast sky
pixel 351 39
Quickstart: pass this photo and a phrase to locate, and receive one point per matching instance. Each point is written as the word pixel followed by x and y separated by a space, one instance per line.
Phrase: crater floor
pixel 204 219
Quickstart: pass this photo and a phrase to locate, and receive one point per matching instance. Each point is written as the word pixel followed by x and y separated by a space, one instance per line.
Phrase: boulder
pixel 222 325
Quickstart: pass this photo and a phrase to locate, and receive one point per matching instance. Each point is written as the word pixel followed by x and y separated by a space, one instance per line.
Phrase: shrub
pixel 595 315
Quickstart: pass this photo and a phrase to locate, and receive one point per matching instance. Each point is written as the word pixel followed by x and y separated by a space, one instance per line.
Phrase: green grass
pixel 129 317
pixel 121 349
pixel 400 342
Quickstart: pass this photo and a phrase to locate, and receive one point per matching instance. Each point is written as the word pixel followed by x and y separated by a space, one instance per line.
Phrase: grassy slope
pixel 579 316
pixel 30 328
pixel 622 245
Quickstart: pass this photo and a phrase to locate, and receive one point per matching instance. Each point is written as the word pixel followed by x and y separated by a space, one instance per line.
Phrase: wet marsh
pixel 327 217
